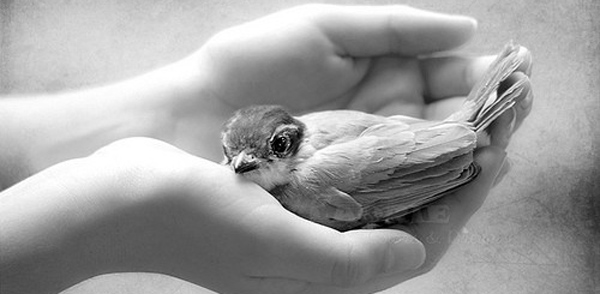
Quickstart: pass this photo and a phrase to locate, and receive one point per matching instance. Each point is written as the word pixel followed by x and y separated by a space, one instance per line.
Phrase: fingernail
pixel 526 103
pixel 405 253
pixel 529 59
pixel 473 21
pixel 465 19
pixel 526 60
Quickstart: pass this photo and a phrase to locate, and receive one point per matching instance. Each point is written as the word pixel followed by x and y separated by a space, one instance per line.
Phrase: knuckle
pixel 134 146
pixel 215 46
pixel 143 156
pixel 125 145
pixel 222 37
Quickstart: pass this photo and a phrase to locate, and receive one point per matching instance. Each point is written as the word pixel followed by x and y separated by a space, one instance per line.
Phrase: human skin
pixel 140 204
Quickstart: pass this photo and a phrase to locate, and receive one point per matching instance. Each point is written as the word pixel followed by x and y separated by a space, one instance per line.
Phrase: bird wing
pixel 387 165
pixel 442 159
pixel 328 128
pixel 321 184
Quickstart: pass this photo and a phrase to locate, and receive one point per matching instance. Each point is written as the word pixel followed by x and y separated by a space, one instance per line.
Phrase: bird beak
pixel 244 162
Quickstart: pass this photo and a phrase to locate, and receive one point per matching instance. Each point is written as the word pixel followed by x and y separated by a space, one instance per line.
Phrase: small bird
pixel 347 169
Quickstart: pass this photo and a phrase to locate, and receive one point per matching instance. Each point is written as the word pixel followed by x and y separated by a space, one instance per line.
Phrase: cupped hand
pixel 383 60
pixel 325 56
pixel 378 59
pixel 360 57
pixel 193 219
pixel 215 229
pixel 143 205
pixel 158 209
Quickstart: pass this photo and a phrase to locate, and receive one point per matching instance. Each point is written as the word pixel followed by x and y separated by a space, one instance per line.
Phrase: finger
pixel 524 101
pixel 452 76
pixel 366 31
pixel 466 200
pixel 523 109
pixel 526 65
pixel 501 129
pixel 438 234
pixel 503 172
pixel 375 285
pixel 286 285
pixel 307 251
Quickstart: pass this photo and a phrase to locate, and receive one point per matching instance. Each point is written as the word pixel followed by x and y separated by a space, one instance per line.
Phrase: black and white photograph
pixel 299 147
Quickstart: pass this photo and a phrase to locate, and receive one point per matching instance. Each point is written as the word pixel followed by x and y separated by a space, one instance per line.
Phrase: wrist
pixel 172 104
pixel 49 235
pixel 83 218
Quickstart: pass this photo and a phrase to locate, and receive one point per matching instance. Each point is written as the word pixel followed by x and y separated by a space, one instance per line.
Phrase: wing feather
pixel 388 167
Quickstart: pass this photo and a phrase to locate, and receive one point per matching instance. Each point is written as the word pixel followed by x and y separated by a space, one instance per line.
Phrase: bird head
pixel 260 143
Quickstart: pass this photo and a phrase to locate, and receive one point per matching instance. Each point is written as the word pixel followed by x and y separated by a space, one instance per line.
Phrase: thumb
pixel 303 250
pixel 368 254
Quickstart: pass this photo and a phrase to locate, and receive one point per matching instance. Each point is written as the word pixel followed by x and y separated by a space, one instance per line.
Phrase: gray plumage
pixel 346 169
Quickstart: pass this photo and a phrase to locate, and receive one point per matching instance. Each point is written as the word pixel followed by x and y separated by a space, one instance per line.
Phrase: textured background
pixel 537 232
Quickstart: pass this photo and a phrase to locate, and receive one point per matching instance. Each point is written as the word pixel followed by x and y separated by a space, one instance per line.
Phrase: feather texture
pixel 393 166
pixel 352 168
pixel 482 105
pixel 386 166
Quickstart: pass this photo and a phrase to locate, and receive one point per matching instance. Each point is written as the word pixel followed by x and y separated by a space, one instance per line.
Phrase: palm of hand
pixel 299 67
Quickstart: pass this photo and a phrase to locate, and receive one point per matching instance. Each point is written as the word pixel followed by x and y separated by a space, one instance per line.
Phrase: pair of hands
pixel 374 59
pixel 144 205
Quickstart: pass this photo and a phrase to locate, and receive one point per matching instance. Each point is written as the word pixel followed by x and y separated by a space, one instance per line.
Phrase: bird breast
pixel 269 176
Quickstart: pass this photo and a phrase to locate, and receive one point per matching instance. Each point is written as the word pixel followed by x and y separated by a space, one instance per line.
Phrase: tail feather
pixel 483 105
pixel 506 101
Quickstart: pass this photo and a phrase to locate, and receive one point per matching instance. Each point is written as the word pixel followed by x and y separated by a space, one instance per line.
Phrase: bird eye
pixel 280 145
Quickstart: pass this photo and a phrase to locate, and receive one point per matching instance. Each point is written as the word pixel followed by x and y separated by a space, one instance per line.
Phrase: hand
pixel 373 59
pixel 317 56
pixel 438 224
pixel 314 57
pixel 143 205
pixel 198 221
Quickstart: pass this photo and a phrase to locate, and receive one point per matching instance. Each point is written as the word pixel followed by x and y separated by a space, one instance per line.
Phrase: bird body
pixel 346 169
